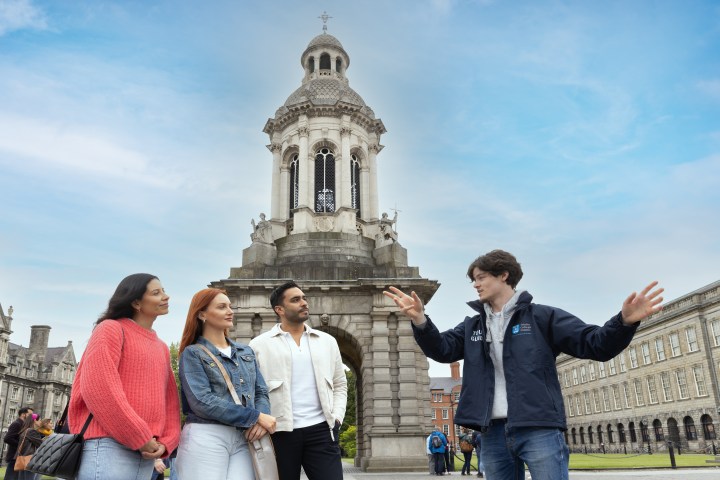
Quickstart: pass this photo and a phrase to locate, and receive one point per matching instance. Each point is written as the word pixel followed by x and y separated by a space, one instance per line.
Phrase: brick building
pixel 444 396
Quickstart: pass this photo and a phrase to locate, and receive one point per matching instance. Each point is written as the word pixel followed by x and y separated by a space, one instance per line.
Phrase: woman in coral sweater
pixel 125 381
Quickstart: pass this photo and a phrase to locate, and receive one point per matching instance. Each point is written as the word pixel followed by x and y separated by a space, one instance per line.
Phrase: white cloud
pixel 711 88
pixel 19 15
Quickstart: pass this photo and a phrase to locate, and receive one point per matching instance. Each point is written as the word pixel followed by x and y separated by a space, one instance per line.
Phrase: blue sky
pixel 582 136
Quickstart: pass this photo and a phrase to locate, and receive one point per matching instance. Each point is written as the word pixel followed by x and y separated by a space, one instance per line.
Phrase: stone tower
pixel 325 232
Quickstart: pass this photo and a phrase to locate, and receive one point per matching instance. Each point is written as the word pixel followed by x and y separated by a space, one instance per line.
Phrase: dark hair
pixel 24 410
pixel 130 288
pixel 277 295
pixel 496 263
pixel 193 325
pixel 28 423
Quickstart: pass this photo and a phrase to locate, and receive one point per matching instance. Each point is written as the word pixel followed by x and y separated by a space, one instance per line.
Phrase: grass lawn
pixel 2 473
pixel 579 461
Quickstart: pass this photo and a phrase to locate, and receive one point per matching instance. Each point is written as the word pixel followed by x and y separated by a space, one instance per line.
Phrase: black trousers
pixel 311 447
pixel 466 465
pixel 439 462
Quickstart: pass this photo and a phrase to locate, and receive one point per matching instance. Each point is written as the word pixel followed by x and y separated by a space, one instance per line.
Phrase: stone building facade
pixel 326 232
pixel 35 376
pixel 663 387
pixel 444 396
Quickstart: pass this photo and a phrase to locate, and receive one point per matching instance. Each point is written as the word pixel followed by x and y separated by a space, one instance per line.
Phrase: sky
pixel 584 137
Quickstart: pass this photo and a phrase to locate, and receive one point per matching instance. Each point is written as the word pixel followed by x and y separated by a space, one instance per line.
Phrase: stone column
pixel 382 410
pixel 373 150
pixel 276 204
pixel 343 182
pixel 285 192
pixel 305 196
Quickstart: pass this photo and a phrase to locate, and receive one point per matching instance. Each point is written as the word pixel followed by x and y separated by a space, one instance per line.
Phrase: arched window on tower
pixel 324 181
pixel 355 183
pixel 325 61
pixel 338 65
pixel 294 183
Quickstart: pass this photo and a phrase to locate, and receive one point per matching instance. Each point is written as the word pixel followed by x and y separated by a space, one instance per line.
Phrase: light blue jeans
pixel 505 452
pixel 213 452
pixel 106 459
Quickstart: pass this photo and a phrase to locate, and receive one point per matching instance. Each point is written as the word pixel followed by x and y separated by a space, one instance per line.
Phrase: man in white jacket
pixel 305 376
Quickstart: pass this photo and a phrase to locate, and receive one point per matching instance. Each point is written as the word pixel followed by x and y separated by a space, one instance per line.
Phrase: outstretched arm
pixel 410 305
pixel 639 306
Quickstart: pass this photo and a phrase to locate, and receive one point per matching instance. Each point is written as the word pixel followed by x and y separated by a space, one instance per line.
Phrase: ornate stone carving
pixel 324 224
pixel 275 147
pixel 374 148
pixel 345 131
pixel 303 131
pixel 262 231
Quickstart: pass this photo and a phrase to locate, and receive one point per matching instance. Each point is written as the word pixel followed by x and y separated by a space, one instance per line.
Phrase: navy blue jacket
pixel 535 336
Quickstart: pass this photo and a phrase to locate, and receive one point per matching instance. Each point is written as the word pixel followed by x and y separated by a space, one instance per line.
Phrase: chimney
pixel 455 370
pixel 39 335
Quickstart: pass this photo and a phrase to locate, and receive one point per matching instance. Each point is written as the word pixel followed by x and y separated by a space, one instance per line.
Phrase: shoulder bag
pixel 262 451
pixel 21 461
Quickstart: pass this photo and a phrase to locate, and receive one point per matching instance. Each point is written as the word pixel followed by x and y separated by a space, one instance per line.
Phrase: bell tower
pixel 326 233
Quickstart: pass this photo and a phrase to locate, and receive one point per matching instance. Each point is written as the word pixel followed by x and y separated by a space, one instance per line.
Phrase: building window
pixel 355 183
pixel 324 181
pixel 708 427
pixel 601 369
pixel 446 429
pixel 639 397
pixel 690 432
pixel 616 397
pixel 586 396
pixel 30 395
pixel 577 405
pixel 700 388
pixel 682 384
pixel 569 406
pixel 611 366
pixel 294 183
pixel 626 392
pixel 623 366
pixel 15 393
pixel 434 413
pixel 621 433
pixel 606 399
pixel 715 324
pixel 633 357
pixel 596 401
pixel 652 390
pixel 445 414
pixel 437 397
pixel 691 339
pixel 658 429
pixel 675 344
pixel 456 395
pixel 575 376
pixel 591 367
pixel 583 374
pixel 667 389
pixel 660 349
pixel 645 347
pixel 566 377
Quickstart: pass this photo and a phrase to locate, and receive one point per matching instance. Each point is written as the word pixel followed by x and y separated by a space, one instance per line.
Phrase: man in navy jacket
pixel 511 392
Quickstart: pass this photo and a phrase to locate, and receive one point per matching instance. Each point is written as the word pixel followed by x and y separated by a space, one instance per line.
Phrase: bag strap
pixel 225 375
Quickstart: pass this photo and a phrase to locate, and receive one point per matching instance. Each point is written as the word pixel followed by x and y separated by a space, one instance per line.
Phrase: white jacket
pixel 275 361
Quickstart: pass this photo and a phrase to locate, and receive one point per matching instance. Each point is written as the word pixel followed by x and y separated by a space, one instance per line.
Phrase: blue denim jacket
pixel 205 395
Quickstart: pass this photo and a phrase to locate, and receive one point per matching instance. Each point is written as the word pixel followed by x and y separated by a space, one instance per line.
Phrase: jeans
pixel 312 447
pixel 213 452
pixel 481 467
pixel 106 459
pixel 506 451
pixel 439 462
pixel 466 465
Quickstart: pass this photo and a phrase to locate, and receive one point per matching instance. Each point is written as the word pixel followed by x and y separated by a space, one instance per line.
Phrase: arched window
pixel 574 436
pixel 708 427
pixel 673 430
pixel 621 433
pixel 311 64
pixel 644 432
pixel 355 183
pixel 633 434
pixel 294 182
pixel 325 61
pixel 582 435
pixel 610 434
pixel 690 432
pixel 658 429
pixel 338 65
pixel 590 434
pixel 324 181
pixel 600 433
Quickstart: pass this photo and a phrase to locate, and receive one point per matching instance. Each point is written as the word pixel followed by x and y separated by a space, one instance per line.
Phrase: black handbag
pixel 59 454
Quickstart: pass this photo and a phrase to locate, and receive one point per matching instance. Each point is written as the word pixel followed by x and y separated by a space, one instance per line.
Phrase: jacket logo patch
pixel 522 329
pixel 476 336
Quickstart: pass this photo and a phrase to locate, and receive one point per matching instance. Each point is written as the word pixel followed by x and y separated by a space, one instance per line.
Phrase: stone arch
pixel 673 431
pixel 708 427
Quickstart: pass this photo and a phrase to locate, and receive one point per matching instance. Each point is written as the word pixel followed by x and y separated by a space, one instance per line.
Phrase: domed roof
pixel 325 91
pixel 325 40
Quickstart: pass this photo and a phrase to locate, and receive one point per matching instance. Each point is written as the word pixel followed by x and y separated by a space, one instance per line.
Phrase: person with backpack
pixel 436 445
pixel 466 447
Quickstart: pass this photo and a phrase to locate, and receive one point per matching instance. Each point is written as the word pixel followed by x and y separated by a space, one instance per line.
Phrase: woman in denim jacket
pixel 214 441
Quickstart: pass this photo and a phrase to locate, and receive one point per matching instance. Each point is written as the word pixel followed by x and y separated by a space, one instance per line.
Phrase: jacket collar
pixel 234 347
pixel 522 302
pixel 276 330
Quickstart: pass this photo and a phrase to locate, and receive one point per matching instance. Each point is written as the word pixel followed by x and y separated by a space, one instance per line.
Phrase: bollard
pixel 672 455
pixel 714 449
pixel 649 449
pixel 625 449
pixel 602 445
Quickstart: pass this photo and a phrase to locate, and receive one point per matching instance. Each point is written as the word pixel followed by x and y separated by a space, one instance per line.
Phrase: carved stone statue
pixel 262 231
pixel 387 234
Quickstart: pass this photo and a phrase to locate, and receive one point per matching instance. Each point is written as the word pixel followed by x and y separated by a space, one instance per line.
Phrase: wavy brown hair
pixel 193 325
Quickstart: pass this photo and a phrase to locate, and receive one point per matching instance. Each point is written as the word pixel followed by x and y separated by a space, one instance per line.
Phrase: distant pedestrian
pixel 438 443
pixel 12 438
pixel 466 448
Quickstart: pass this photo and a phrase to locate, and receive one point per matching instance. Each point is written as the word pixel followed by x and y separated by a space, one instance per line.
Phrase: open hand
pixel 639 306
pixel 410 305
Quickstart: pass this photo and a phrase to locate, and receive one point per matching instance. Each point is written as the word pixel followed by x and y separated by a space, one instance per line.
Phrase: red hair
pixel 193 325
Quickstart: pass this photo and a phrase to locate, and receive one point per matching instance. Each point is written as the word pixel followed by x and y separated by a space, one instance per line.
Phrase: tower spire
pixel 324 17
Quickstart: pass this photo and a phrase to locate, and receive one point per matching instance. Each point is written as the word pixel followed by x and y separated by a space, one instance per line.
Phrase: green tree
pixel 350 419
pixel 348 442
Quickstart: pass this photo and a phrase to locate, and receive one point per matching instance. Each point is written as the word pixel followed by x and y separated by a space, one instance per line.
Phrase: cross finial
pixel 325 17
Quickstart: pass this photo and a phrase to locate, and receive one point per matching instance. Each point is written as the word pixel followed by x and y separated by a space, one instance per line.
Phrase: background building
pixel 663 387
pixel 444 396
pixel 36 376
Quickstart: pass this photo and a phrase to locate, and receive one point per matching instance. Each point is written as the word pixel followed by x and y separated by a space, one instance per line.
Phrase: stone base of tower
pixel 396 453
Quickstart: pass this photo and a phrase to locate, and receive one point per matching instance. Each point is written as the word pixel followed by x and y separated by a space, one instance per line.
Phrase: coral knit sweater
pixel 125 380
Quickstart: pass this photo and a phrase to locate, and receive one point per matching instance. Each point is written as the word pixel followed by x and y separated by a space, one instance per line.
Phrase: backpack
pixel 436 442
pixel 465 446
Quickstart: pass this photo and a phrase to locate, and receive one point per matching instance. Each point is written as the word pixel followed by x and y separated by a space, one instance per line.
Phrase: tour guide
pixel 510 390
